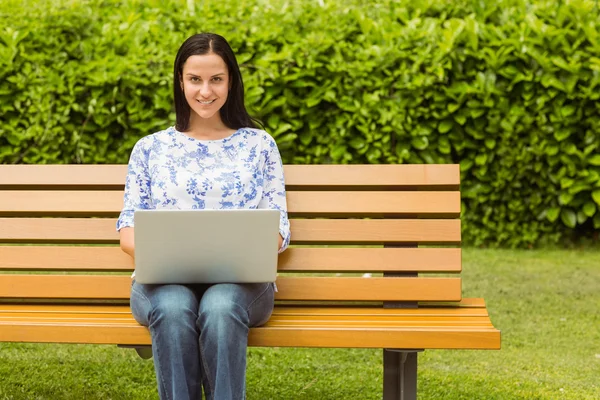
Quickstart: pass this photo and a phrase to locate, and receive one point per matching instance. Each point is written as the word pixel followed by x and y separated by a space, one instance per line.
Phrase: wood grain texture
pixel 304 231
pixel 326 176
pixel 450 327
pixel 290 288
pixel 103 258
pixel 303 203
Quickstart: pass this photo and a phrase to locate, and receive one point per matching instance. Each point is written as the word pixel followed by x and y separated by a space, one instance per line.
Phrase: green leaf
pixel 566 182
pixel 568 217
pixel 565 198
pixel 445 126
pixel 567 111
pixel 553 213
pixel 490 143
pixel 338 152
pixel 453 107
pixel 597 221
pixel 552 150
pixel 596 196
pixel 581 217
pixel 420 142
pixel 594 160
pixel 481 159
pixel 460 118
pixel 357 143
pixel 562 134
pixel 589 208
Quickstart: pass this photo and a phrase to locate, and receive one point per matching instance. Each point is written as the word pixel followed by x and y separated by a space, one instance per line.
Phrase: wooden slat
pixel 384 337
pixel 411 175
pixel 72 176
pixel 110 202
pixel 369 259
pixel 304 231
pixel 369 289
pixel 288 326
pixel 292 260
pixel 326 176
pixel 111 287
pixel 290 288
pixel 359 231
pixel 402 338
pixel 66 258
pixel 92 202
pixel 340 322
pixel 432 203
pixel 467 307
pixel 80 230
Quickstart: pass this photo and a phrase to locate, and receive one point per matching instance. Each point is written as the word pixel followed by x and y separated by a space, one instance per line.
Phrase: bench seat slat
pixel 294 259
pixel 351 326
pixel 274 322
pixel 304 231
pixel 467 307
pixel 74 176
pixel 296 288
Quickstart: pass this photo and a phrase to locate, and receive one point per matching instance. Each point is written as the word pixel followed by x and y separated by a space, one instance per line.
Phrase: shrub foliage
pixel 508 89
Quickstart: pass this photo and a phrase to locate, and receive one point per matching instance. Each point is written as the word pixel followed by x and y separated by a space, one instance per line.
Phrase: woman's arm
pixel 137 195
pixel 127 243
pixel 274 190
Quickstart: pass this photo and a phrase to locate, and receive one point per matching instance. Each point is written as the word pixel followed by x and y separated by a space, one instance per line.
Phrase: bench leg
pixel 144 351
pixel 399 375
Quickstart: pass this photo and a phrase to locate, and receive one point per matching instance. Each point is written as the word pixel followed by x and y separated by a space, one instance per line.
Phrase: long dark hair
pixel 233 113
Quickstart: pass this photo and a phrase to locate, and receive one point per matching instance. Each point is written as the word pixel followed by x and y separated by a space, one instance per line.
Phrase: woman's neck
pixel 212 129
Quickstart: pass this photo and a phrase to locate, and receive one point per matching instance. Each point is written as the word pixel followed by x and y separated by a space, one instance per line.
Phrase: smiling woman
pixel 214 158
pixel 205 83
pixel 207 79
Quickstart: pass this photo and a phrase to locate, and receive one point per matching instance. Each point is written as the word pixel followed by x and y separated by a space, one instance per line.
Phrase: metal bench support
pixel 400 374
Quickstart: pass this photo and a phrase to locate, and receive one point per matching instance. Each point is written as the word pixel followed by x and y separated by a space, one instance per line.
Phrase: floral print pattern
pixel 169 170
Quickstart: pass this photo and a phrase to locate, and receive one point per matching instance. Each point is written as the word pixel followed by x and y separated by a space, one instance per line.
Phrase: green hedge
pixel 509 89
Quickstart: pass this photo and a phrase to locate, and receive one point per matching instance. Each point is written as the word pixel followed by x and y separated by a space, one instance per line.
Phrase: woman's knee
pixel 174 304
pixel 217 306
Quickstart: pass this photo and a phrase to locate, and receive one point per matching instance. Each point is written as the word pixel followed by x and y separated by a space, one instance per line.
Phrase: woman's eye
pixel 217 79
pixel 195 79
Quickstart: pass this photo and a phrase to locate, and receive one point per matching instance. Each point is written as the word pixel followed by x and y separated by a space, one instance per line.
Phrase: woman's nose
pixel 205 90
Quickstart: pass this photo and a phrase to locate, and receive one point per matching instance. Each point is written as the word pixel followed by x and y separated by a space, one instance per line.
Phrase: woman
pixel 214 157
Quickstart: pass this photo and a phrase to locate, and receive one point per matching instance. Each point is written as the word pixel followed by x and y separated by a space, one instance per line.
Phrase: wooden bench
pixel 70 282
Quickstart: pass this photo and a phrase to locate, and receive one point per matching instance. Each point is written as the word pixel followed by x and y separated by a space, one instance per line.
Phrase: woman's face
pixel 205 83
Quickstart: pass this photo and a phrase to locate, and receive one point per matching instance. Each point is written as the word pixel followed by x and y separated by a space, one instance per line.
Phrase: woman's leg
pixel 227 311
pixel 170 312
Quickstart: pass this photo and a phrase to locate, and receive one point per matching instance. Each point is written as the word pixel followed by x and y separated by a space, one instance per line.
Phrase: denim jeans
pixel 200 335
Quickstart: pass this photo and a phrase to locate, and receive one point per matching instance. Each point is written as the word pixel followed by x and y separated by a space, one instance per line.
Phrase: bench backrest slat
pixel 305 231
pixel 303 176
pixel 104 258
pixel 290 288
pixel 430 204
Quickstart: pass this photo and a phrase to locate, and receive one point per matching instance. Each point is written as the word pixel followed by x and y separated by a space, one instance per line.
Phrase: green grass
pixel 545 303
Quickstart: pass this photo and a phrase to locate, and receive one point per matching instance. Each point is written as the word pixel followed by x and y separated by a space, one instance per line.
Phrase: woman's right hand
pixel 127 243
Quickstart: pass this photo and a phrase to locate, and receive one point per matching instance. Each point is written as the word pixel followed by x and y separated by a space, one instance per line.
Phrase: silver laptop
pixel 206 246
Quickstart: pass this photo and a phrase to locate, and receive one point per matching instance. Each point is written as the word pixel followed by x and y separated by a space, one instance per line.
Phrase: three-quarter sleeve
pixel 274 189
pixel 137 186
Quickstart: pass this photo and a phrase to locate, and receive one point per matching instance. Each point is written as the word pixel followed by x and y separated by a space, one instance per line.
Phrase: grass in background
pixel 545 303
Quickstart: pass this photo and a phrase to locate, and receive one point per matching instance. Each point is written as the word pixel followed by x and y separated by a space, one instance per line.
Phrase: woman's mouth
pixel 205 102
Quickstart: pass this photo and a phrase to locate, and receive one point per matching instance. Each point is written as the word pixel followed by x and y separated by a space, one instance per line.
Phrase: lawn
pixel 545 303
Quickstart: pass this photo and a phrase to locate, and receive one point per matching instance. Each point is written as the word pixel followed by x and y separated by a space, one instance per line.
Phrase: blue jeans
pixel 200 335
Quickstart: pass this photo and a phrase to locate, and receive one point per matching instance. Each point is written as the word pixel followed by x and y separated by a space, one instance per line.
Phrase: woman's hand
pixel 127 243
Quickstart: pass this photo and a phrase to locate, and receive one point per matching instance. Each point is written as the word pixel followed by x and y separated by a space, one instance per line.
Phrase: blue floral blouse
pixel 169 170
